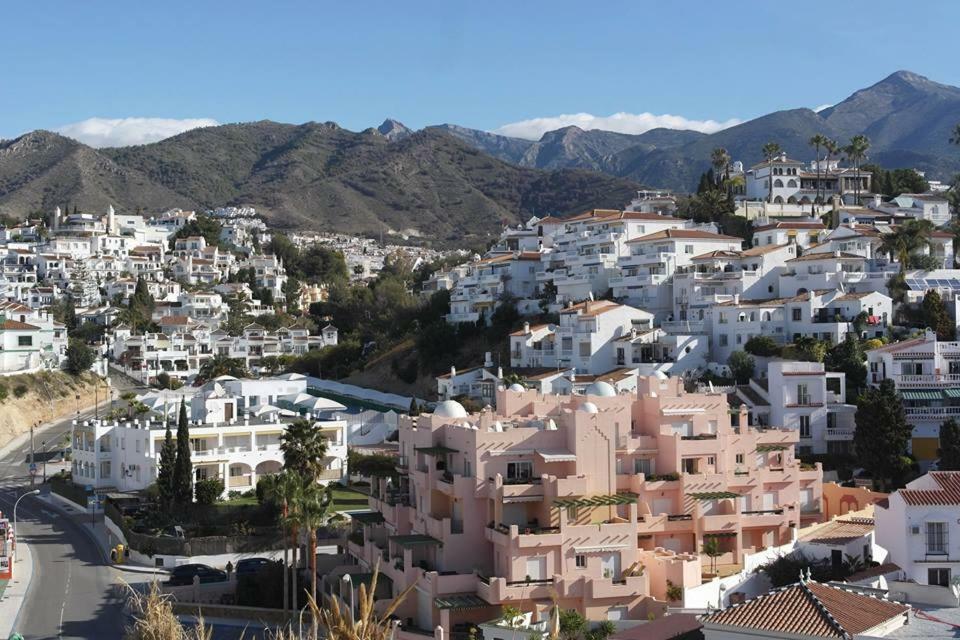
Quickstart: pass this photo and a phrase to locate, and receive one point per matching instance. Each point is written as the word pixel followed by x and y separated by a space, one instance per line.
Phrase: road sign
pixel 33 468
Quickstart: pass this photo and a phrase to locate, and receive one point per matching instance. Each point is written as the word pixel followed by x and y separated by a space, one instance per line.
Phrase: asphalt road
pixel 72 593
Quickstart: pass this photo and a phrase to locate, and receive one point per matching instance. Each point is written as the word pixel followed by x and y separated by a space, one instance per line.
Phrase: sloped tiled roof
pixel 947 492
pixel 809 609
pixel 839 532
pixel 683 234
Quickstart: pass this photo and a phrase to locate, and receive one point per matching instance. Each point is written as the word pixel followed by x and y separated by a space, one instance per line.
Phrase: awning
pixel 414 540
pixel 516 499
pixel 367 517
pixel 556 456
pixel 920 394
pixel 460 601
pixel 600 548
pixel 952 393
pixel 597 501
pixel 436 450
pixel 714 495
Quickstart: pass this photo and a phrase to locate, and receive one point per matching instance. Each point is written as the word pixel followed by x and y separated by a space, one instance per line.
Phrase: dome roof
pixel 589 407
pixel 602 389
pixel 450 409
pixel 516 386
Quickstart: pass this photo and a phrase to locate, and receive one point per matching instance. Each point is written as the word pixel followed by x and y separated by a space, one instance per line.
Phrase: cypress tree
pixel 949 446
pixel 882 434
pixel 183 469
pixel 168 462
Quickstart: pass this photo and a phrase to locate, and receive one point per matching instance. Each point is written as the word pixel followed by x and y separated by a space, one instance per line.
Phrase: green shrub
pixel 3 392
pixel 208 491
pixel 20 390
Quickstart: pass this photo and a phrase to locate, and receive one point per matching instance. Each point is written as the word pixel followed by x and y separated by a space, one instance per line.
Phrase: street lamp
pixel 15 504
pixel 348 581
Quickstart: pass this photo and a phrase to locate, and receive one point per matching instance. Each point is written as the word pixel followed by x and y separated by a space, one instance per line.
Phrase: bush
pixel 208 491
pixel 741 366
pixel 3 392
pixel 20 390
pixel 80 357
pixel 763 346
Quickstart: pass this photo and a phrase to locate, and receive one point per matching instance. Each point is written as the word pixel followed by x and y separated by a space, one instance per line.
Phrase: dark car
pixel 183 575
pixel 251 566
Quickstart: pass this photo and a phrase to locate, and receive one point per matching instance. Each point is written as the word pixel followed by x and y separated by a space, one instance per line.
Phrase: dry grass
pixel 154 619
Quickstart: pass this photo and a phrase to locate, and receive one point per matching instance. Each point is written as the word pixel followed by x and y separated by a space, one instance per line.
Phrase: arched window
pixel 792 200
pixel 778 200
pixel 778 182
pixel 766 316
pixel 792 183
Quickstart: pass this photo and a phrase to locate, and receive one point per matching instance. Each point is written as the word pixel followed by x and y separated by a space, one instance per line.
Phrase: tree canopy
pixel 882 433
pixel 949 446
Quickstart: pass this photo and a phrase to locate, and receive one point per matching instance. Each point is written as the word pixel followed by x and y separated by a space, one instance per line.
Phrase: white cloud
pixel 534 128
pixel 121 132
pixel 821 108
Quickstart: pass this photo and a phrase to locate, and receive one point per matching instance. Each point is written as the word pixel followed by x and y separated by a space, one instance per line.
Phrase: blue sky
pixel 479 64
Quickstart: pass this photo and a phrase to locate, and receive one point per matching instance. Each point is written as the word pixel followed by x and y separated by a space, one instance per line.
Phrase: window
pixel 795 314
pixel 643 465
pixel 519 471
pixel 25 341
pixel 803 395
pixel 936 538
pixel 688 249
pixel 723 339
pixel 738 458
pixel 804 426
pixel 581 561
pixel 585 349
pixel 939 577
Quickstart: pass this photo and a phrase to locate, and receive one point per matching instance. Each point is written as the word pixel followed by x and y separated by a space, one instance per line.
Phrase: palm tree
pixel 904 239
pixel 285 490
pixel 856 151
pixel 304 449
pixel 831 148
pixel 770 151
pixel 310 512
pixel 818 141
pixel 720 161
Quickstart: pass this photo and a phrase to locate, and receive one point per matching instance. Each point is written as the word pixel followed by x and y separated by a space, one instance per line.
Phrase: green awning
pixel 772 447
pixel 714 495
pixel 414 539
pixel 952 393
pixel 920 394
pixel 597 501
pixel 436 451
pixel 367 517
pixel 460 601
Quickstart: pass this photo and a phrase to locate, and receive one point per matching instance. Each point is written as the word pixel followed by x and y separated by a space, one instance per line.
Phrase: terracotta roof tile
pixel 809 609
pixel 839 532
pixel 947 492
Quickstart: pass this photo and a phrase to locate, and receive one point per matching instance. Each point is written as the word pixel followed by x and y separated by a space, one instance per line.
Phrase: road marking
pixel 66 592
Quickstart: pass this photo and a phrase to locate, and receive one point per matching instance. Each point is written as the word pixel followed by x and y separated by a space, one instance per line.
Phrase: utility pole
pixel 43 449
pixel 33 456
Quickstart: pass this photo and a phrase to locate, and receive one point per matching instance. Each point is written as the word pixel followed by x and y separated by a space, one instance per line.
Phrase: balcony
pixel 935 380
pixel 932 412
pixel 626 587
pixel 762 518
pixel 685 327
pixel 840 433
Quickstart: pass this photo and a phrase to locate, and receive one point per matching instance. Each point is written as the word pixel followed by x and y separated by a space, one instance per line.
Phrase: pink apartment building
pixel 595 501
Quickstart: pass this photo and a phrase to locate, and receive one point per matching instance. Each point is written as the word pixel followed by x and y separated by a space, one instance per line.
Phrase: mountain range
pixel 449 183
pixel 908 118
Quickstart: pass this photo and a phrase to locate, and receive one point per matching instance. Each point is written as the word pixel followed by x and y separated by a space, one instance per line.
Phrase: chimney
pixel 736 298
pixel 453 371
pixel 487 360
pixel 526 330
pixel 499 373
pixel 588 306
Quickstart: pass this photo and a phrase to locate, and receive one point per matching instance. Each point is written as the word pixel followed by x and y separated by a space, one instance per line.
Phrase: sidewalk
pixel 99 533
pixel 16 591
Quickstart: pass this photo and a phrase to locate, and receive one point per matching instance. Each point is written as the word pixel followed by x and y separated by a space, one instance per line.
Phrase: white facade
pixel 918 527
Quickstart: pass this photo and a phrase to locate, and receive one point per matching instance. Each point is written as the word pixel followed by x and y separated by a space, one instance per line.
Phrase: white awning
pixel 606 547
pixel 556 455
pixel 515 499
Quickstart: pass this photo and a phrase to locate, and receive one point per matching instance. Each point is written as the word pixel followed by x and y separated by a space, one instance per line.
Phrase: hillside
pixel 315 175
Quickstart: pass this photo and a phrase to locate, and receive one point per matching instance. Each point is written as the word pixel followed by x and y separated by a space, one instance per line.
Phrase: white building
pixel 805 397
pixel 926 373
pixel 918 527
pixel 126 456
pixel 585 339
pixel 29 339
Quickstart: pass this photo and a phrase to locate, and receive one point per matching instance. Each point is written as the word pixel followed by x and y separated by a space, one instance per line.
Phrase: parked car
pixel 183 575
pixel 251 566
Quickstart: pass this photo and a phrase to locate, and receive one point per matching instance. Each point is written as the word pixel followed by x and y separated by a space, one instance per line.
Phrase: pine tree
pixel 165 473
pixel 183 468
pixel 949 446
pixel 936 317
pixel 882 433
